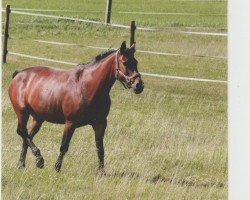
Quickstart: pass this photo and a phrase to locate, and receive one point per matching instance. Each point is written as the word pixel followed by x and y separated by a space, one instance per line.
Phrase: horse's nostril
pixel 138 87
pixel 142 85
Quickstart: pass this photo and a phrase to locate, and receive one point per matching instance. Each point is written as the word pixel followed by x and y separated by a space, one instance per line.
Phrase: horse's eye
pixel 126 63
pixel 131 64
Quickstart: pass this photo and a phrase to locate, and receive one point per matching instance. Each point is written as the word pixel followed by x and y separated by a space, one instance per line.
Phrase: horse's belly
pixel 53 117
pixel 55 120
pixel 79 118
pixel 56 112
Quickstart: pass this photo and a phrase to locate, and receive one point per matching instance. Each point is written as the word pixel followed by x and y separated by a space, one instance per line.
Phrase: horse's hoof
pixel 101 172
pixel 58 166
pixel 40 162
pixel 21 165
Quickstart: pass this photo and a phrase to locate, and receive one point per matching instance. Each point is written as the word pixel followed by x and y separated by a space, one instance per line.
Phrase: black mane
pixel 98 58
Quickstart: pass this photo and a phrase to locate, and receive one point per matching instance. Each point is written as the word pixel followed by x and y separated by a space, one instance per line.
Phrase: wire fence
pixel 114 25
pixel 143 73
pixel 137 50
pixel 122 12
pixel 15 11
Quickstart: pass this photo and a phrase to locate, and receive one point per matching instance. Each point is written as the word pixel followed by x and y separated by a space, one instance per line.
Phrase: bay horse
pixel 75 97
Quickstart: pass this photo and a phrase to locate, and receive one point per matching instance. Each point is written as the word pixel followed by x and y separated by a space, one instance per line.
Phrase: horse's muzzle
pixel 138 87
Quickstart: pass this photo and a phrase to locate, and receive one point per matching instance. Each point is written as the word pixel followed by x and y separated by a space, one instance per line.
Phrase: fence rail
pixel 143 73
pixel 137 50
pixel 115 25
pixel 123 12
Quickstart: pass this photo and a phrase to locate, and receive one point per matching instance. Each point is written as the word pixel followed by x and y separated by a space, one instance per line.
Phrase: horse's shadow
pixel 132 175
pixel 182 181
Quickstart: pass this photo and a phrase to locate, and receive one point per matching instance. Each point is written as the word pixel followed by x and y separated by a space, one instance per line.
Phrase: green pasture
pixel 170 142
pixel 194 15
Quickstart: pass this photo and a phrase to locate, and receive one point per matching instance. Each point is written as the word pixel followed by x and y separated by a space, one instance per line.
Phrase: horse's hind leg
pixel 35 125
pixel 27 140
pixel 21 163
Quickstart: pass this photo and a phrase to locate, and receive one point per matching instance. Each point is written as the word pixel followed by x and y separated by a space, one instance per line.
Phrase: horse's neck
pixel 103 76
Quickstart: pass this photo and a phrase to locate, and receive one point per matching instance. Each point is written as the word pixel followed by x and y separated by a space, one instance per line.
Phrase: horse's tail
pixel 15 73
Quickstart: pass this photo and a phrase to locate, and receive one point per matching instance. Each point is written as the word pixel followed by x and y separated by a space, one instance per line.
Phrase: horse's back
pixel 39 71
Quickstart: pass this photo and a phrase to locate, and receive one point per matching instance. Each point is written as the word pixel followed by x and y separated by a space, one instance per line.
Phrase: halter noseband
pixel 128 79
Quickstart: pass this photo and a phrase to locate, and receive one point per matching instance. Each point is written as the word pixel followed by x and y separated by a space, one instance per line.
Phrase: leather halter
pixel 128 79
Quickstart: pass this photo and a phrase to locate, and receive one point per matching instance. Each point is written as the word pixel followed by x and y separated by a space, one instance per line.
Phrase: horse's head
pixel 126 68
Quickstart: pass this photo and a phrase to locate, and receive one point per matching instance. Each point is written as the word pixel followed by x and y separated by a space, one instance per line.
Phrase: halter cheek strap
pixel 128 79
pixel 116 64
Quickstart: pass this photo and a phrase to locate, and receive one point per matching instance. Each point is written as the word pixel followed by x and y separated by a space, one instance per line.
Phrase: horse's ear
pixel 123 47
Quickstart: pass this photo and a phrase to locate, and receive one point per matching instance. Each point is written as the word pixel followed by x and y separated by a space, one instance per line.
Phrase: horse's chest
pixel 100 107
pixel 93 112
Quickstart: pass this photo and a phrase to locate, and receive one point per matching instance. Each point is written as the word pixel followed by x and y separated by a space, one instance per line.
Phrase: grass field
pixel 170 142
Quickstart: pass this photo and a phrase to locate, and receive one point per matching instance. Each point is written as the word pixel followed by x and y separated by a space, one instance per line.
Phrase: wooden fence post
pixel 6 34
pixel 108 11
pixel 132 33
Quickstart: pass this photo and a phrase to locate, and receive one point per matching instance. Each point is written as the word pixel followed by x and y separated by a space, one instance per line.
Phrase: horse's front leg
pixel 69 129
pixel 99 129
